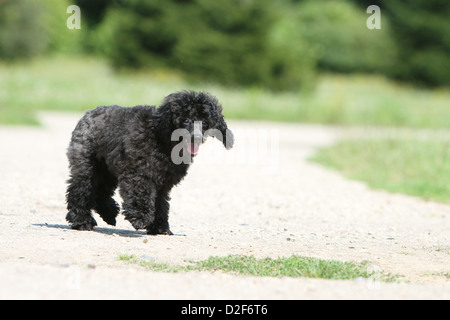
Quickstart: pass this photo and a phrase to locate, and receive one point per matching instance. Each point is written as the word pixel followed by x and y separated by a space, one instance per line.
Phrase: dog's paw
pixel 137 223
pixel 154 230
pixel 138 220
pixel 110 220
pixel 81 222
pixel 85 226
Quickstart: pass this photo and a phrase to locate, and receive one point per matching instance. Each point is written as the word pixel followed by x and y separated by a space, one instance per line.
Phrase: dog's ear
pixel 229 139
pixel 163 121
pixel 170 109
pixel 221 125
pixel 227 135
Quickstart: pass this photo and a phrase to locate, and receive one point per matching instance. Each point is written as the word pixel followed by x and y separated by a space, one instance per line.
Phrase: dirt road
pixel 262 198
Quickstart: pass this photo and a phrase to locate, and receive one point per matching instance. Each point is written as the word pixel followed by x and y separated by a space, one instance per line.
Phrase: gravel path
pixel 262 198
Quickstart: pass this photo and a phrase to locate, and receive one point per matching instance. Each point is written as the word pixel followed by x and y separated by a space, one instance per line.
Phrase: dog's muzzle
pixel 194 145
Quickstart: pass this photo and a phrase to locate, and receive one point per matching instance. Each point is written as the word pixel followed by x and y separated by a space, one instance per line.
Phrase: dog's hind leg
pixel 79 203
pixel 104 185
pixel 79 192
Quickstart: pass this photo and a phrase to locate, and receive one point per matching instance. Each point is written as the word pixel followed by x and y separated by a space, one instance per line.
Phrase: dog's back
pixel 103 125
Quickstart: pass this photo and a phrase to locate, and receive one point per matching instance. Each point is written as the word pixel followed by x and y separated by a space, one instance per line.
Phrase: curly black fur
pixel 131 148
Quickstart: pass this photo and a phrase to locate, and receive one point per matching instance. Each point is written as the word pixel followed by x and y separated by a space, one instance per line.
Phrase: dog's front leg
pixel 138 194
pixel 161 223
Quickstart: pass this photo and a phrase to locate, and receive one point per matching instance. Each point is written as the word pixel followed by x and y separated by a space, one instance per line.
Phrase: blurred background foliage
pixel 279 45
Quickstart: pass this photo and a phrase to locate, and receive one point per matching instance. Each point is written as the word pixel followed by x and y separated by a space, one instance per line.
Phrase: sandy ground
pixel 262 198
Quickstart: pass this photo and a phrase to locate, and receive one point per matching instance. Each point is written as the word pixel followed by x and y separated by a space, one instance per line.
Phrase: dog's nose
pixel 197 137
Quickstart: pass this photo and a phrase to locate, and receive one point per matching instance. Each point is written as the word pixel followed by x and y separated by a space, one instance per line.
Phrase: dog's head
pixel 197 115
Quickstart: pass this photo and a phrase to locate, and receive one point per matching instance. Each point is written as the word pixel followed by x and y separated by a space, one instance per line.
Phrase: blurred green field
pixel 414 166
pixel 81 83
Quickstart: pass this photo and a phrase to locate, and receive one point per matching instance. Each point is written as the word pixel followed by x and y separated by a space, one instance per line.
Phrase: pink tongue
pixel 193 148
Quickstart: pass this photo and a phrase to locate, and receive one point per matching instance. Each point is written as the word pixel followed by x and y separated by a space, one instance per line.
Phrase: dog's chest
pixel 169 174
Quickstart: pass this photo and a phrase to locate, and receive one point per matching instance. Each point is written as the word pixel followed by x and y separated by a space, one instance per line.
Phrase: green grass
pixel 294 266
pixel 417 167
pixel 152 265
pixel 82 83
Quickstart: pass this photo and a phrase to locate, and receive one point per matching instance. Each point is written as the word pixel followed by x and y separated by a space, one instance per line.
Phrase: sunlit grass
pixel 82 83
pixel 293 266
pixel 417 167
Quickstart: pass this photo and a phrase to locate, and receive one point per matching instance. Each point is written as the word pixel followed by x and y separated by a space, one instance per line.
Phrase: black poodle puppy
pixel 144 151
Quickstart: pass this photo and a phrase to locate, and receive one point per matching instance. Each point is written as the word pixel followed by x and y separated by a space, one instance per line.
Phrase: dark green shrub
pixel 94 11
pixel 233 42
pixel 227 42
pixel 337 32
pixel 138 34
pixel 60 38
pixel 22 29
pixel 293 64
pixel 422 30
pixel 29 28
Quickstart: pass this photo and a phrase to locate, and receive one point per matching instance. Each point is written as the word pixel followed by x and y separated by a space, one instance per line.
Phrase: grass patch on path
pixel 294 266
pixel 417 167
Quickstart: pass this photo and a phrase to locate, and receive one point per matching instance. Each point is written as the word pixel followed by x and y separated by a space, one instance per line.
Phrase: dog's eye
pixel 187 121
pixel 204 123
